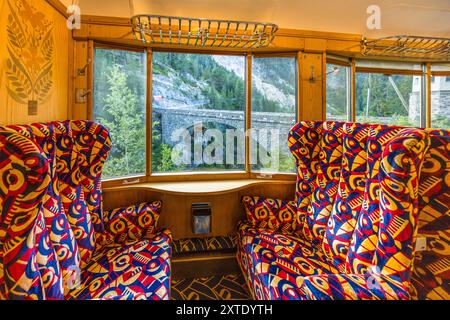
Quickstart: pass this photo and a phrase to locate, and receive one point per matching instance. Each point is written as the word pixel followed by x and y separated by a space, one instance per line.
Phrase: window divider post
pixel 148 108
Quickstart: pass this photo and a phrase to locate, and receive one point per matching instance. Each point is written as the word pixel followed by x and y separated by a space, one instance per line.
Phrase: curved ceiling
pixel 411 17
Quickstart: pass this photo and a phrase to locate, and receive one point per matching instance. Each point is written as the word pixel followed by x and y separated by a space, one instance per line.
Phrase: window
pixel 440 103
pixel 198 112
pixel 338 92
pixel 119 104
pixel 274 92
pixel 388 99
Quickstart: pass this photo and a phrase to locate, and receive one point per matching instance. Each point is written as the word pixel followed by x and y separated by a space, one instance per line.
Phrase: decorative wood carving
pixel 30 47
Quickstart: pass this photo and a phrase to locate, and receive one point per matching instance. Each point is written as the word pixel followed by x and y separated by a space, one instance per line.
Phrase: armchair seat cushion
pixel 130 270
pixel 275 262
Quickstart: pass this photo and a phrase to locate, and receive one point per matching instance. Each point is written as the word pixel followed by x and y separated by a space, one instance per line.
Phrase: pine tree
pixel 125 121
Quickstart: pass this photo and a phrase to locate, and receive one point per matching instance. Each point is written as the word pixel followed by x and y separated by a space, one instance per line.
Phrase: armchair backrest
pixel 71 205
pixel 360 191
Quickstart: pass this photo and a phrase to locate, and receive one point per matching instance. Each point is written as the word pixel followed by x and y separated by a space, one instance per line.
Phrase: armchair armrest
pixel 271 214
pixel 130 223
pixel 367 286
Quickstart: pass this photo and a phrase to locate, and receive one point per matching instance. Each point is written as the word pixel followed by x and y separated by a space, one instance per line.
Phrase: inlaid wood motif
pixel 30 49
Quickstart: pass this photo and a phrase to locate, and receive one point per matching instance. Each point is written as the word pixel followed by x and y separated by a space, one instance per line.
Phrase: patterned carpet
pixel 221 287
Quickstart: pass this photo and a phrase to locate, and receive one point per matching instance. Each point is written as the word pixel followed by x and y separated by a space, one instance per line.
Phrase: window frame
pixel 426 73
pixel 150 176
pixel 134 178
pixel 403 72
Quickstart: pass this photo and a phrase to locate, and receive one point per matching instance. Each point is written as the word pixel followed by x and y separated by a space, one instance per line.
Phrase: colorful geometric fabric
pixel 274 261
pixel 29 265
pixel 71 189
pixel 191 245
pixel 350 195
pixel 218 287
pixel 363 192
pixel 131 223
pixel 57 222
pixel 431 273
pixel 51 216
pixel 128 271
pixel 364 241
pixel 271 214
pixel 327 171
pixel 399 195
pixel 93 143
pixel 304 142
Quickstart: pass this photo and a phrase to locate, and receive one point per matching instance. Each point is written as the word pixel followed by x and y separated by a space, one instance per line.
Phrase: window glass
pixel 440 102
pixel 119 104
pixel 389 65
pixel 440 67
pixel 338 94
pixel 388 99
pixel 274 95
pixel 198 118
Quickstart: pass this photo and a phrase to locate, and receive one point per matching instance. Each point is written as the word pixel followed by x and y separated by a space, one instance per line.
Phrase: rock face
pixel 262 80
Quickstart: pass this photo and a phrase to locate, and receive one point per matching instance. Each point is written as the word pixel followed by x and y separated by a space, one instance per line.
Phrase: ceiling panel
pixel 417 17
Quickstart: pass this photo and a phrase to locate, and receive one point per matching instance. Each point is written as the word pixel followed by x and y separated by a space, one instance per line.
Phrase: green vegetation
pixel 124 120
pixel 385 104
pixel 440 122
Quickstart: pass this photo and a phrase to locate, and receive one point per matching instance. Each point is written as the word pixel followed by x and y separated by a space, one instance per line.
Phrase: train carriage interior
pixel 224 150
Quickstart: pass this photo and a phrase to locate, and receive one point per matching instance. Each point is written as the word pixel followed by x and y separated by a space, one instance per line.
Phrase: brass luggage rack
pixel 155 29
pixel 408 47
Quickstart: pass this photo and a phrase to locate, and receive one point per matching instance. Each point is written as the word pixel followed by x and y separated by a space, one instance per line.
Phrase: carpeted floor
pixel 220 287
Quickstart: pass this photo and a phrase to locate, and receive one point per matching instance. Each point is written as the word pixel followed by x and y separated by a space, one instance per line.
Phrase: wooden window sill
pixel 201 187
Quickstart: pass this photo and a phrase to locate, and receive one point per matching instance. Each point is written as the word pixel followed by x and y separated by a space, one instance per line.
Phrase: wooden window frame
pixel 150 176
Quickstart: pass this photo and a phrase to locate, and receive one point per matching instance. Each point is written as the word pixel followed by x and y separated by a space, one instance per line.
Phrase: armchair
pixel 359 202
pixel 116 255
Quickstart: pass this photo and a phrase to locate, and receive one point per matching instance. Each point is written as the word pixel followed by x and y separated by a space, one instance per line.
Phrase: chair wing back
pixel 399 177
pixel 431 272
pixel 70 209
pixel 29 268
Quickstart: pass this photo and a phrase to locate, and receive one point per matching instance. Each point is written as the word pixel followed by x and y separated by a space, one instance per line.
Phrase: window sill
pixel 201 187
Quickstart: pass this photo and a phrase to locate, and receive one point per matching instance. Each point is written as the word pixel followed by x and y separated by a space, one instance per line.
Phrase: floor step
pixel 204 265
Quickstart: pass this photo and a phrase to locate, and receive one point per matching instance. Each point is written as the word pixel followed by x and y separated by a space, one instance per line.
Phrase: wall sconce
pixel 201 218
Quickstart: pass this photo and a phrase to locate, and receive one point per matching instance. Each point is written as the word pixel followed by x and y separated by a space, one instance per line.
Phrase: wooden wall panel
pixel 34 62
pixel 80 81
pixel 311 91
pixel 227 210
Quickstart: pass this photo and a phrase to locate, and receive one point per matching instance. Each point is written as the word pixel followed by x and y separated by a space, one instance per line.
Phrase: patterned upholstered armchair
pixel 55 240
pixel 364 193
